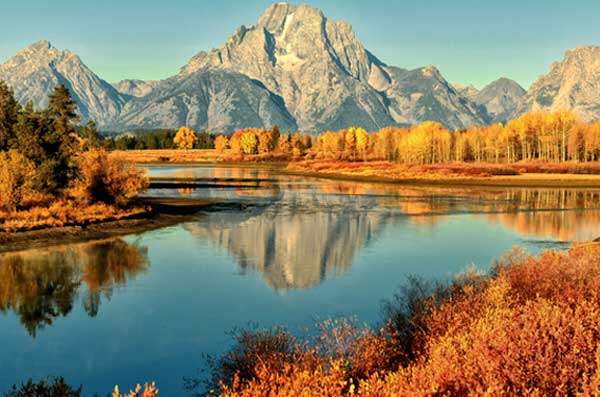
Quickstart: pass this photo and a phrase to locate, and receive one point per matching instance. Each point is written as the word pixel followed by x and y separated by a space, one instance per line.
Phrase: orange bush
pixel 16 174
pixel 107 179
pixel 531 328
pixel 147 391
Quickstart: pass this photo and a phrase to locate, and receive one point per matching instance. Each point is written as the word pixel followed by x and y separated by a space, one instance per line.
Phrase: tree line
pixel 253 141
pixel 548 136
pixel 156 139
pixel 558 136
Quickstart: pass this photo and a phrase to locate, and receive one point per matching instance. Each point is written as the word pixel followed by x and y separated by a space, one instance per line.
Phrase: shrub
pixel 16 174
pixel 252 348
pixel 56 387
pixel 148 391
pixel 107 179
pixel 531 327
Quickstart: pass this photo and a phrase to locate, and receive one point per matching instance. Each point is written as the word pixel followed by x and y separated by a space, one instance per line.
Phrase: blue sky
pixel 471 42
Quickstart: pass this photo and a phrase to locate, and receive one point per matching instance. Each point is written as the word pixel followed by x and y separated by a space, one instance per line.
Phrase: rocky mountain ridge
pixel 303 71
pixel 34 72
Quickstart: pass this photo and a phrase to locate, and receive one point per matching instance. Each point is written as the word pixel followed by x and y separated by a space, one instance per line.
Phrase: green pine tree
pixel 9 111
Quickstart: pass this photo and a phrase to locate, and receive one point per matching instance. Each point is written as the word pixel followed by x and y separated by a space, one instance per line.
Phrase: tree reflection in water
pixel 305 235
pixel 42 285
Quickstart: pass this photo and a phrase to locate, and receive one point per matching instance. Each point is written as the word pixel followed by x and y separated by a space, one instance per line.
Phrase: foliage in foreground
pixel 52 172
pixel 58 387
pixel 530 328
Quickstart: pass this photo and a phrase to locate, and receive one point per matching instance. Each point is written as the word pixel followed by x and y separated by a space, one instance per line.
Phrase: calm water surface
pixel 145 307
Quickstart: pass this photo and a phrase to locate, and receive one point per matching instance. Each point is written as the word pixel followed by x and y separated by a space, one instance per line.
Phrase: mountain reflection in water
pixel 303 235
pixel 42 285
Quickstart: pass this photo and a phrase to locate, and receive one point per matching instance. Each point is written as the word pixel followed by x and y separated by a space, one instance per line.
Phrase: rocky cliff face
pixel 34 72
pixel 573 83
pixel 328 80
pixel 214 100
pixel 500 98
pixel 136 88
pixel 468 91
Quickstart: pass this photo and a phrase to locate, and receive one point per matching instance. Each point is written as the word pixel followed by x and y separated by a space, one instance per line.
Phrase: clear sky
pixel 470 41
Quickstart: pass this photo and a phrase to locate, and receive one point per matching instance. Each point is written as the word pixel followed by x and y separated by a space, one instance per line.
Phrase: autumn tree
pixel 185 138
pixel 283 144
pixel 235 142
pixel 16 175
pixel 362 141
pixel 249 142
pixel 221 143
pixel 266 141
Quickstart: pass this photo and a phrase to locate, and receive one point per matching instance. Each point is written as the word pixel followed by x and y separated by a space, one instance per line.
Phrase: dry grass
pixel 485 173
pixel 65 213
pixel 170 156
pixel 395 171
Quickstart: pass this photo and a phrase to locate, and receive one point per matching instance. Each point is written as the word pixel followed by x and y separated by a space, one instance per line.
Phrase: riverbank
pixel 162 156
pixel 534 174
pixel 156 214
pixel 514 175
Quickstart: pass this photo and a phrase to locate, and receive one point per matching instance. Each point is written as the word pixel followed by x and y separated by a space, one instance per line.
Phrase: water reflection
pixel 291 246
pixel 310 232
pixel 41 285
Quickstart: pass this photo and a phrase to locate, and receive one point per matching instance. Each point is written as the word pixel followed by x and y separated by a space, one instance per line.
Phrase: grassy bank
pixel 69 226
pixel 159 156
pixel 454 174
pixel 531 327
pixel 521 174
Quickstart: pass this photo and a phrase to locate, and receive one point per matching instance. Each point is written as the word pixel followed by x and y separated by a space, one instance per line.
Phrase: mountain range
pixel 300 70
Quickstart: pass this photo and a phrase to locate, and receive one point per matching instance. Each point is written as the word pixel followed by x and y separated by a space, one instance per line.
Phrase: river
pixel 147 306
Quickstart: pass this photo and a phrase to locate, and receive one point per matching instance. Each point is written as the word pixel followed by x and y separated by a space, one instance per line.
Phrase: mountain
pixel 34 72
pixel 305 72
pixel 573 83
pixel 468 91
pixel 216 100
pixel 423 94
pixel 500 98
pixel 328 80
pixel 137 88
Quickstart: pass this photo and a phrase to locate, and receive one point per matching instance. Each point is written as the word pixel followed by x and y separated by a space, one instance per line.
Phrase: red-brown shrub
pixel 531 328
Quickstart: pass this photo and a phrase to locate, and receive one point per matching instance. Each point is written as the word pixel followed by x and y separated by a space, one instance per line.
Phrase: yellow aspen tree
pixel 185 138
pixel 221 143
pixel 362 142
pixel 249 143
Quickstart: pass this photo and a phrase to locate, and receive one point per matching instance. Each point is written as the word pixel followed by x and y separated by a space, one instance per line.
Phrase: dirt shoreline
pixel 518 181
pixel 541 180
pixel 165 212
